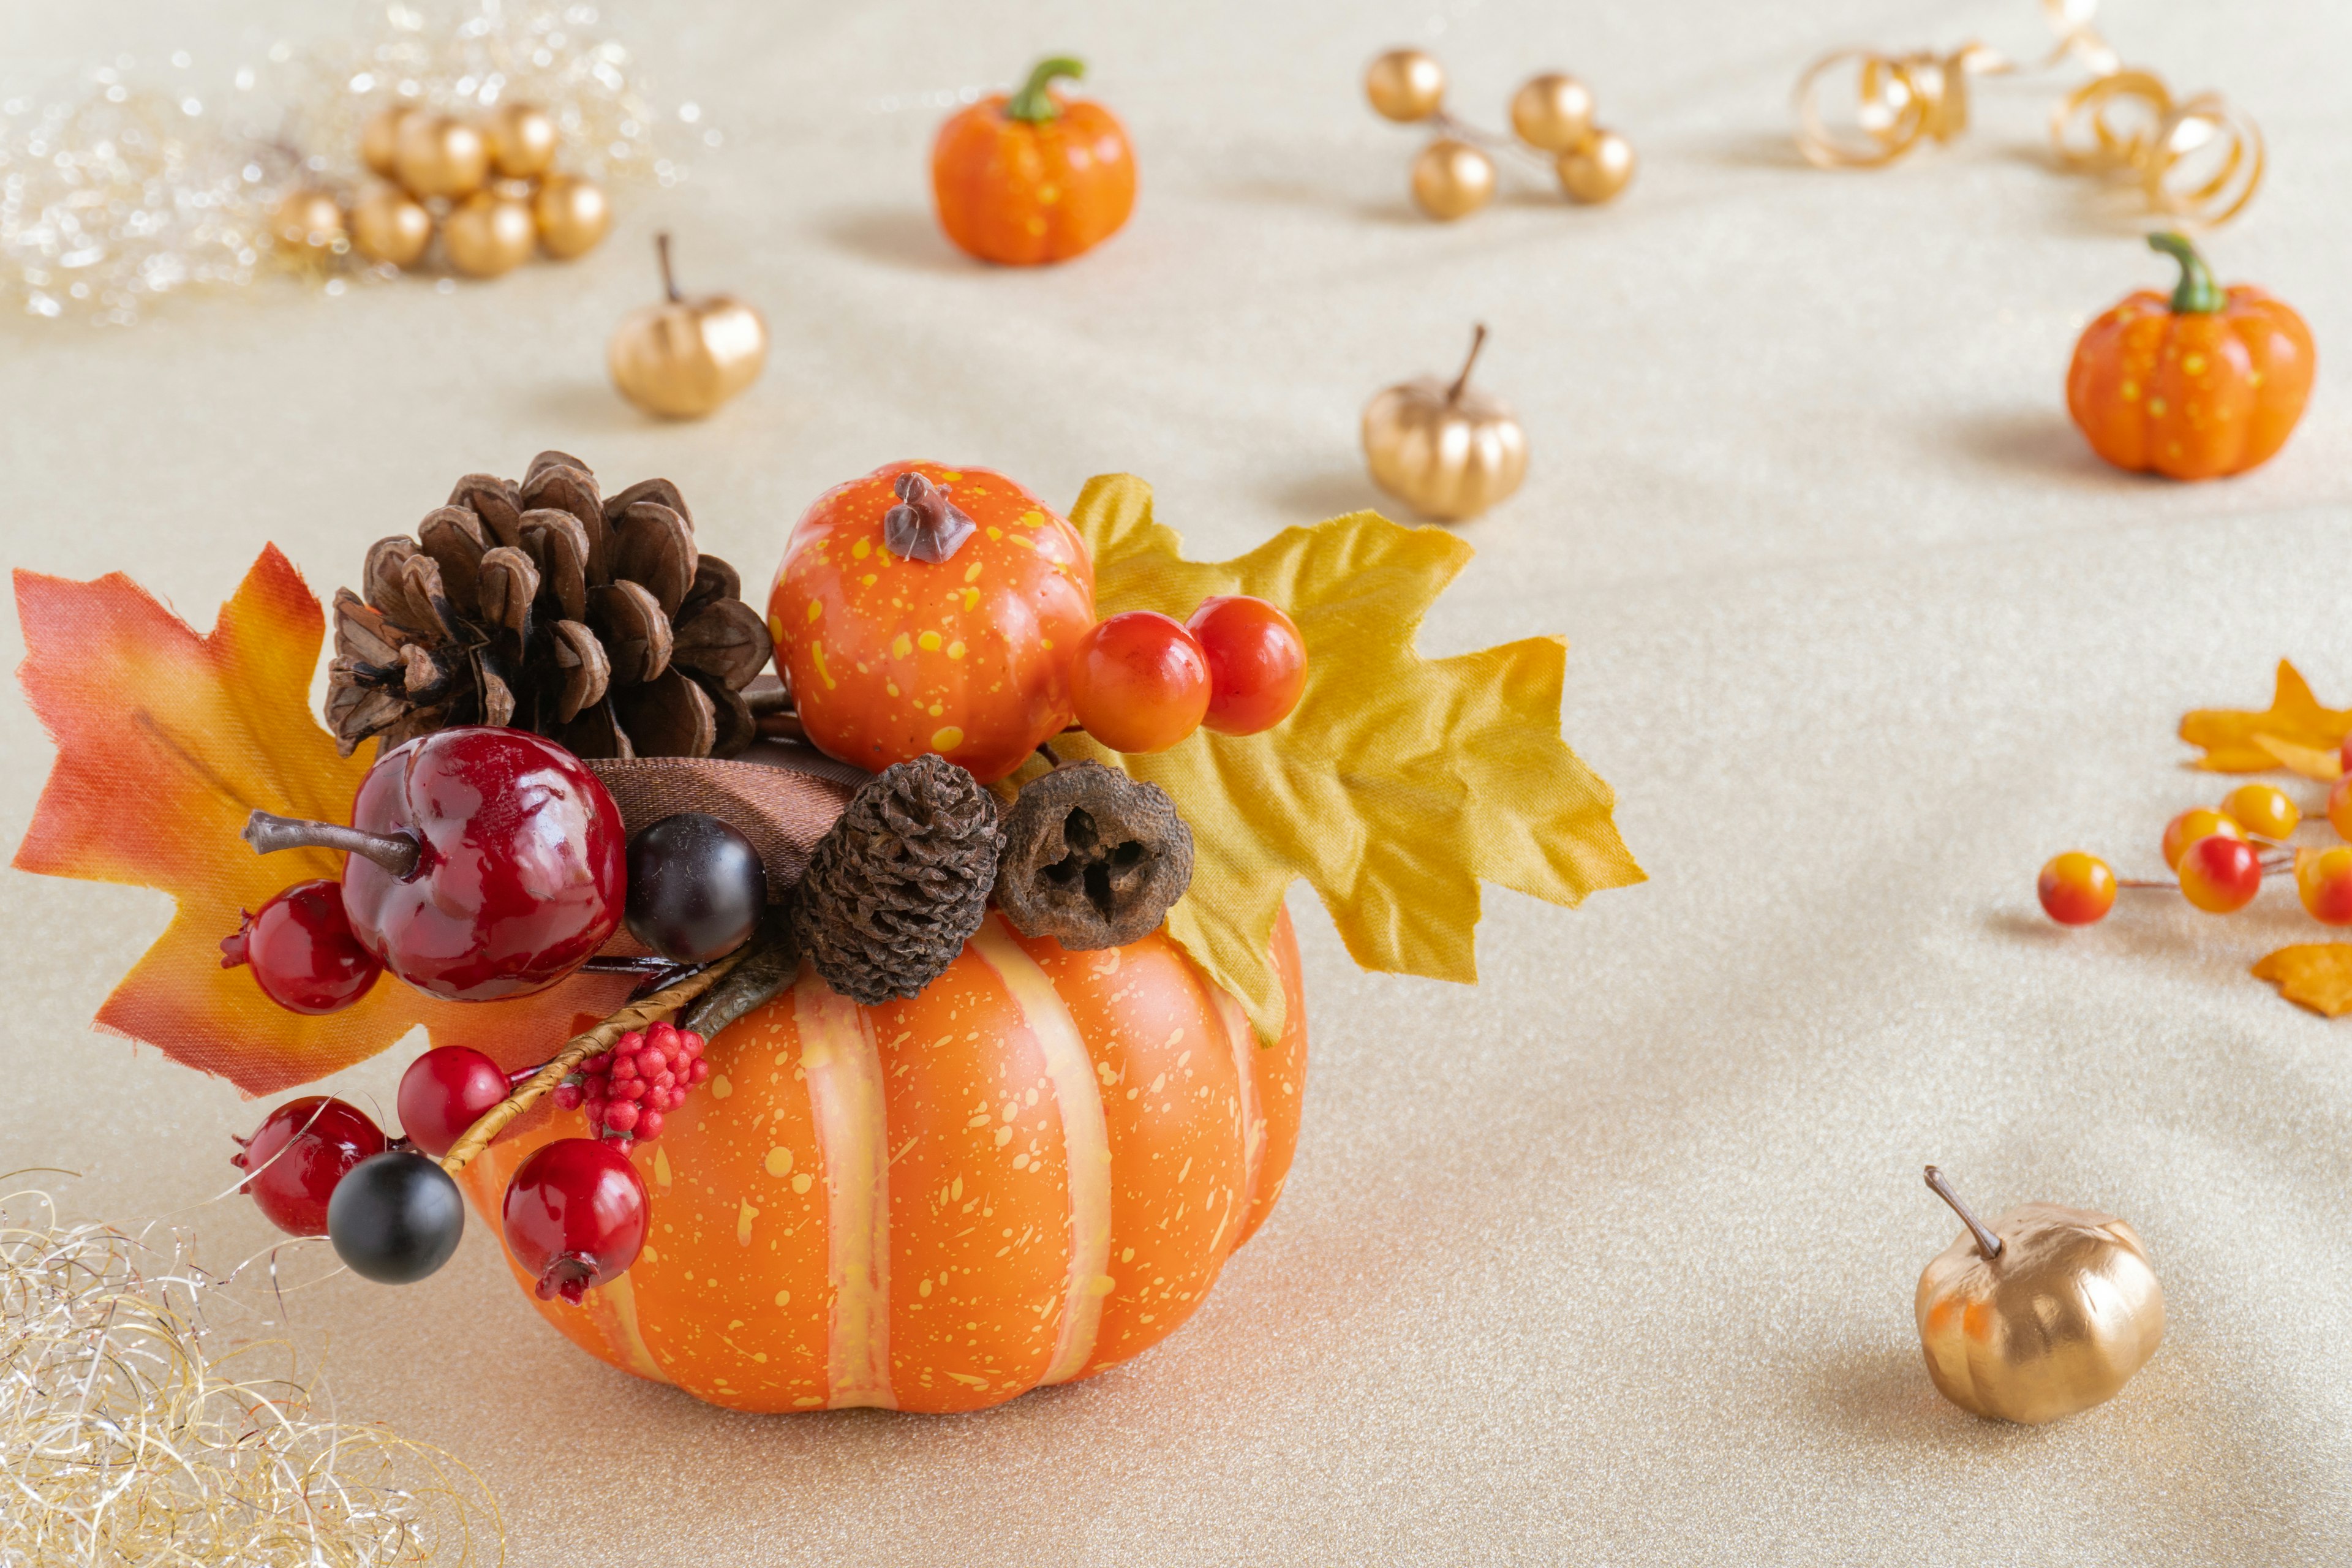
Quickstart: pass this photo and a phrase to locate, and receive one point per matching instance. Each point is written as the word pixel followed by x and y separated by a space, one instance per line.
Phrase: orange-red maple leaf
pixel 2313 974
pixel 166 740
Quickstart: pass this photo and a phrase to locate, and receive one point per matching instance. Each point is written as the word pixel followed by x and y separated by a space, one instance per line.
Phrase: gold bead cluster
pixel 488 187
pixel 1551 115
pixel 2196 159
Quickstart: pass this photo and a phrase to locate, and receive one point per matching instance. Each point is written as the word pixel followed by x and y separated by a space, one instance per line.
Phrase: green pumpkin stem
pixel 1033 102
pixel 2197 294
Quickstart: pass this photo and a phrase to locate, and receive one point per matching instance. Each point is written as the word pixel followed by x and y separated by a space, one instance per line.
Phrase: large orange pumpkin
pixel 1032 177
pixel 2209 382
pixel 1030 1172
pixel 888 658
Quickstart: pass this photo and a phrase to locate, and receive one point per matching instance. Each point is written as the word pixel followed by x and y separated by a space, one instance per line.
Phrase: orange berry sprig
pixel 2217 861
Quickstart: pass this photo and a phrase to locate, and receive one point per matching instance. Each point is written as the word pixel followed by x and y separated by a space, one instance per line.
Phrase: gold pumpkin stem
pixel 669 281
pixel 1462 382
pixel 1986 1242
pixel 661 1005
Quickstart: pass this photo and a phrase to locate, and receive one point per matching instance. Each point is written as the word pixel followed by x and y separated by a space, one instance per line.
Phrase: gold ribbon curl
pixel 2198 160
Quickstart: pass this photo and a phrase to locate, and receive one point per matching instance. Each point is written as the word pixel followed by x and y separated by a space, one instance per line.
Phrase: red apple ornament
pixel 484 863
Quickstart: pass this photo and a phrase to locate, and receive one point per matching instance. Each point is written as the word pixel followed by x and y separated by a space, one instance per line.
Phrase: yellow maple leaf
pixel 1395 787
pixel 2233 740
pixel 2313 974
pixel 2324 763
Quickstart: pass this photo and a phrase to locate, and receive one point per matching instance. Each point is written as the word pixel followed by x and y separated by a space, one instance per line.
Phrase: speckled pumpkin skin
pixel 888 658
pixel 2195 395
pixel 1033 1171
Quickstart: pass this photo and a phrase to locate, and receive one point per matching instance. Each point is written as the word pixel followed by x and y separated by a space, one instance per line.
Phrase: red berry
pixel 2220 874
pixel 567 1094
pixel 621 1116
pixel 649 1126
pixel 663 1037
pixel 1258 663
pixel 1138 682
pixel 302 952
pixel 690 1042
pixel 701 1070
pixel 444 1092
pixel 575 1216
pixel 2076 889
pixel 298 1154
pixel 650 1063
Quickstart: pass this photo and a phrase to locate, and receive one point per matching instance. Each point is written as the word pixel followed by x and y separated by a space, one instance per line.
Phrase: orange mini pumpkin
pixel 1030 1172
pixel 2205 384
pixel 889 657
pixel 1033 178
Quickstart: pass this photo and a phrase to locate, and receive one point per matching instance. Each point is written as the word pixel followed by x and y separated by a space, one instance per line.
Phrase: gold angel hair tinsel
pixel 159 182
pixel 139 1424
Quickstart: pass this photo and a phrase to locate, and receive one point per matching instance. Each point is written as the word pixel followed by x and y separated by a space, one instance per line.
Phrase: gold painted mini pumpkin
pixel 1033 1171
pixel 2047 1311
pixel 1446 449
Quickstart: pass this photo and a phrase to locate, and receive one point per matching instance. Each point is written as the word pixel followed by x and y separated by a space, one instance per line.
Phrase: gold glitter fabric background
pixel 1610 1260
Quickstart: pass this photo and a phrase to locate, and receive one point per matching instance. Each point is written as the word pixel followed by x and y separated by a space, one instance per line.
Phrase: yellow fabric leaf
pixel 2315 974
pixel 2324 763
pixel 2232 739
pixel 1396 786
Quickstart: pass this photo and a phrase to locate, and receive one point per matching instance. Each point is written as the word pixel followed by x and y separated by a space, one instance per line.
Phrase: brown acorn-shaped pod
pixel 1448 450
pixel 900 883
pixel 682 358
pixel 1092 858
pixel 545 605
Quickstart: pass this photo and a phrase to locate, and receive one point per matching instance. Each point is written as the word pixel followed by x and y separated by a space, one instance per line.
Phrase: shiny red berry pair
pixel 1141 681
pixel 629 1090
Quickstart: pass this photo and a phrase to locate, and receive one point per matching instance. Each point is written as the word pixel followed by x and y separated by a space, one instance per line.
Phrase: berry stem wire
pixel 662 1005
pixel 1446 124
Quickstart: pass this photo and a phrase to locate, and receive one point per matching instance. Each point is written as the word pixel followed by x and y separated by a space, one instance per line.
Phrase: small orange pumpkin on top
pixel 1033 178
pixel 2208 382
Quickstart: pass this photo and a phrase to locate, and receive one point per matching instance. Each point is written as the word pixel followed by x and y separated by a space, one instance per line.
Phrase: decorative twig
pixel 660 1006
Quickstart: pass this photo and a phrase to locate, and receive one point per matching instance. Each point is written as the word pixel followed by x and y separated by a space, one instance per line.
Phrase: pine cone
pixel 900 883
pixel 593 622
pixel 1092 858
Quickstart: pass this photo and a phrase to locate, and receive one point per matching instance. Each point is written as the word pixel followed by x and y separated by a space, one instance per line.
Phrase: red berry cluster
pixel 628 1089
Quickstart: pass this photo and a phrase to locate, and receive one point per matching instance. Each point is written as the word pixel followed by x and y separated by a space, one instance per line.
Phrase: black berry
pixel 396 1217
pixel 696 888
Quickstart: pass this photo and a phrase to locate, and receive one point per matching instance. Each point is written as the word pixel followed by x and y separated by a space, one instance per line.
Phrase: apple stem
pixel 1986 1242
pixel 1462 382
pixel 669 281
pixel 268 832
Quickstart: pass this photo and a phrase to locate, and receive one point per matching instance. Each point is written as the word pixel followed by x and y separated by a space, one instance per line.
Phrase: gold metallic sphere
pixel 307 225
pixel 1405 85
pixel 1448 450
pixel 522 141
pixel 1452 179
pixel 683 358
pixel 438 156
pixel 572 215
pixel 380 142
pixel 1552 111
pixel 488 233
pixel 389 225
pixel 2057 1320
pixel 1597 169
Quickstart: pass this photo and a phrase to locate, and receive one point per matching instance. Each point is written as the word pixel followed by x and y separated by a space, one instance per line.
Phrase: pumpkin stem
pixel 1986 1242
pixel 1033 102
pixel 1462 382
pixel 669 280
pixel 2197 294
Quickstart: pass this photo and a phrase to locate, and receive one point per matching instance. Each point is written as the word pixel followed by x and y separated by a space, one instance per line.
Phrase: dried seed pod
pixel 1092 858
pixel 637 633
pixel 559 545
